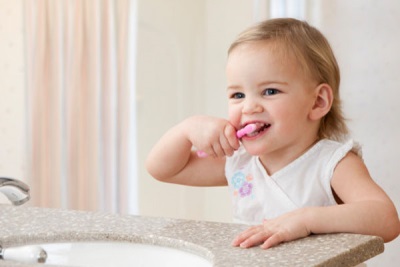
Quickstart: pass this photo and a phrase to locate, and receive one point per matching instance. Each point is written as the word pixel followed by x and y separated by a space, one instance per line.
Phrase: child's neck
pixel 276 161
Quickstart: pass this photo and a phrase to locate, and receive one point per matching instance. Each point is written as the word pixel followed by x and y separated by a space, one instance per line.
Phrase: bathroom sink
pixel 109 254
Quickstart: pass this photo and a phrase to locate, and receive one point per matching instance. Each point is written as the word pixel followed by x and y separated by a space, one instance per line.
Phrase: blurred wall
pixel 12 92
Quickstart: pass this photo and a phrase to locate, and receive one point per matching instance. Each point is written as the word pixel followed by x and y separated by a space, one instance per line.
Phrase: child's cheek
pixel 234 116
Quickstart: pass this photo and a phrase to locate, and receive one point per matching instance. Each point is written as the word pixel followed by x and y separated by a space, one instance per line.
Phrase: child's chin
pixel 253 151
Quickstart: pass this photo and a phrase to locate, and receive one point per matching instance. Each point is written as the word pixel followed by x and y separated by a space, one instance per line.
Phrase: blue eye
pixel 237 95
pixel 271 91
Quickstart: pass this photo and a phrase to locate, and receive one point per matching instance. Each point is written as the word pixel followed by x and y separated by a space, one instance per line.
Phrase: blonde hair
pixel 314 55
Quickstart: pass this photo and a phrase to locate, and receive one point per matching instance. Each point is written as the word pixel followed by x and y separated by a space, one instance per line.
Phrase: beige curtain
pixel 80 97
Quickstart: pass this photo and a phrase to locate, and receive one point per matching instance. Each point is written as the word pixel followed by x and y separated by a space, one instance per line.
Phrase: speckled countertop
pixel 211 240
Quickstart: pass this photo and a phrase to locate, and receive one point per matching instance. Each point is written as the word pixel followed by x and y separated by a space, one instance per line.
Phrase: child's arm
pixel 366 209
pixel 172 159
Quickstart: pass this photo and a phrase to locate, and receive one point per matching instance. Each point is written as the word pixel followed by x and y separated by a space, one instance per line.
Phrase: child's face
pixel 270 89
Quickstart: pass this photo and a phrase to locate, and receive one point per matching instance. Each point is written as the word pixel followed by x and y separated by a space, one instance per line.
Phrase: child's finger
pixel 244 235
pixel 230 133
pixel 218 150
pixel 253 240
pixel 228 149
pixel 273 240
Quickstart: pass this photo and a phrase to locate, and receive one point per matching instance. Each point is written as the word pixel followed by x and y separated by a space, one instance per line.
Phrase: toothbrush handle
pixel 201 154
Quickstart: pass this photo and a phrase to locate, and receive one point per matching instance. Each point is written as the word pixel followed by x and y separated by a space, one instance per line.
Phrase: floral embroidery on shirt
pixel 249 178
pixel 238 179
pixel 242 184
pixel 246 189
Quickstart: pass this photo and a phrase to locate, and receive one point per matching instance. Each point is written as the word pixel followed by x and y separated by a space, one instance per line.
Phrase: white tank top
pixel 304 182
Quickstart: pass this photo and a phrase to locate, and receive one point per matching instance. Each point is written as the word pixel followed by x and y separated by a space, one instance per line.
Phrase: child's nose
pixel 251 106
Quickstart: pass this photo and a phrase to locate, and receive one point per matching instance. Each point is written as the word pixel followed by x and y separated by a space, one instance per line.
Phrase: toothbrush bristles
pixel 249 128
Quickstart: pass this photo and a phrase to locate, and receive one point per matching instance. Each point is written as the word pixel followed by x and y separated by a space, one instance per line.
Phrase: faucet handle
pixel 16 191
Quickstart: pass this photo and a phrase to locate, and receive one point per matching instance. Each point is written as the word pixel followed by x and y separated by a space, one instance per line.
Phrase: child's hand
pixel 214 136
pixel 272 232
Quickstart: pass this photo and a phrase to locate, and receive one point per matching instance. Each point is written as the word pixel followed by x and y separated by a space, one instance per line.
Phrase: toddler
pixel 295 173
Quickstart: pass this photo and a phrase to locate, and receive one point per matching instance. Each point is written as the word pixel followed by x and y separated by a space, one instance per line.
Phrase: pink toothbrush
pixel 249 128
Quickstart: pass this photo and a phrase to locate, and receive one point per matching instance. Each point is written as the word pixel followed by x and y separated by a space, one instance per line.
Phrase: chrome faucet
pixel 16 191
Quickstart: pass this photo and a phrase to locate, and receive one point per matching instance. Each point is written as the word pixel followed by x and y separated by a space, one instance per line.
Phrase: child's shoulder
pixel 340 149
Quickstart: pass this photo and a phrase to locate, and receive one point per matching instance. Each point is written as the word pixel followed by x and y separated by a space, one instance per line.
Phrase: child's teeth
pixel 252 133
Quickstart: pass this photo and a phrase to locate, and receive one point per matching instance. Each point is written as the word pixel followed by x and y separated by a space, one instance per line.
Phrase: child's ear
pixel 322 103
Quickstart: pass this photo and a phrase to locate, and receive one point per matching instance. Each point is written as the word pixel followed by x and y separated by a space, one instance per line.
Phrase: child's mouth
pixel 260 128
